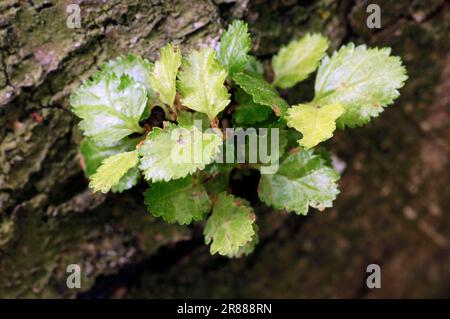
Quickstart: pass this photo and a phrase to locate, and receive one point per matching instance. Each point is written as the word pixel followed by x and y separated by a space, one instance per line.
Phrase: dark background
pixel 393 209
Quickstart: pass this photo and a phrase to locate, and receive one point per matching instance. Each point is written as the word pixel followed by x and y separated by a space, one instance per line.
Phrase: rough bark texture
pixel 395 197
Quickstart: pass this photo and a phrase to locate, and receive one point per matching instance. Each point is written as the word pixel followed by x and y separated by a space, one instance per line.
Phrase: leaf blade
pixel 112 170
pixel 180 201
pixel 303 180
pixel 261 91
pixel 93 154
pixel 137 68
pixel 127 181
pixel 317 124
pixel 298 59
pixel 110 107
pixel 163 77
pixel 235 43
pixel 247 111
pixel 249 247
pixel 175 152
pixel 363 80
pixel 201 83
pixel 230 225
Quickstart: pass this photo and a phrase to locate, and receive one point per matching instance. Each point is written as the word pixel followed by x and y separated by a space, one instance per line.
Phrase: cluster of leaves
pixel 352 85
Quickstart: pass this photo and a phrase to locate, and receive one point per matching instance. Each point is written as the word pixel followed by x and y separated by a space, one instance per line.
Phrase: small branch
pixel 214 123
pixel 169 112
pixel 139 130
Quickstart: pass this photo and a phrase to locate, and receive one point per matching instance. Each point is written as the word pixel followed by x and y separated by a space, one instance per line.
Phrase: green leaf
pixel 110 107
pixel 247 111
pixel 112 170
pixel 233 47
pixel 201 83
pixel 254 66
pixel 302 180
pixel 230 225
pixel 163 77
pixel 316 123
pixel 175 152
pixel 182 201
pixel 363 80
pixel 200 120
pixel 127 181
pixel 248 248
pixel 292 137
pixel 298 59
pixel 275 156
pixel 262 92
pixel 94 154
pixel 137 68
pixel 251 113
pixel 215 177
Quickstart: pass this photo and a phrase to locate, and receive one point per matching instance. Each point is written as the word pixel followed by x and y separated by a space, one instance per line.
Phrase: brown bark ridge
pixel 394 201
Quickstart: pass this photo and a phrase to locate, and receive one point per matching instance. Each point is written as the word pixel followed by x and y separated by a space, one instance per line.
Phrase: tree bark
pixel 394 202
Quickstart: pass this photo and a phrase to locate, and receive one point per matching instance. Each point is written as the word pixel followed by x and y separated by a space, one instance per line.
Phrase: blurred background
pixel 393 209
